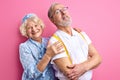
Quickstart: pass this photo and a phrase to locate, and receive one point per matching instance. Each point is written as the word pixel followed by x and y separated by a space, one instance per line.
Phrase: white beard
pixel 65 23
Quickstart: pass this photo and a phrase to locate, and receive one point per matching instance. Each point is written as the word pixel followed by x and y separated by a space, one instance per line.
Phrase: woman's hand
pixel 77 29
pixel 54 49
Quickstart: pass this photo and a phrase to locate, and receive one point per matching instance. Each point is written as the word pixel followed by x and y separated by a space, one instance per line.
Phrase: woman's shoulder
pixel 25 44
pixel 45 39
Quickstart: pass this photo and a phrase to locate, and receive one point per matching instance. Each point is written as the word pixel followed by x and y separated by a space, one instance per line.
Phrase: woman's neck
pixel 38 39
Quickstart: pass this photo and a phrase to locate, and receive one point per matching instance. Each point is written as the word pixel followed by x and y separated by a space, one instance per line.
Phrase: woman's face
pixel 33 30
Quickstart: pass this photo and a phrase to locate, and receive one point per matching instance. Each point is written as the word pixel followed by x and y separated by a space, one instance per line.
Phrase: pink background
pixel 100 19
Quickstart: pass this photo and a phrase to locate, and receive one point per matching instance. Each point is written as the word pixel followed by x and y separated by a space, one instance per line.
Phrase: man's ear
pixel 52 20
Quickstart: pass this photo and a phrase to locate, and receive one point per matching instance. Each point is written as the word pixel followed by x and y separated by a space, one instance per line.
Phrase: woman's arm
pixel 29 62
pixel 51 51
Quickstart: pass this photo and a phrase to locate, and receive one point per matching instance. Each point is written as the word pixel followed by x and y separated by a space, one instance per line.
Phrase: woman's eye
pixel 35 25
pixel 28 27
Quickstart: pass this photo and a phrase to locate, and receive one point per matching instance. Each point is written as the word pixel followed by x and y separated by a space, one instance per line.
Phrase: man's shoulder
pixel 53 38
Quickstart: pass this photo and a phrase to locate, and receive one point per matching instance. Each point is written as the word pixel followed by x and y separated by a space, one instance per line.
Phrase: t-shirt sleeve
pixel 60 55
pixel 88 40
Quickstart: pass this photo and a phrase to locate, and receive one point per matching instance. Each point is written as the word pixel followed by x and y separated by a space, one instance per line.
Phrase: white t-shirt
pixel 77 46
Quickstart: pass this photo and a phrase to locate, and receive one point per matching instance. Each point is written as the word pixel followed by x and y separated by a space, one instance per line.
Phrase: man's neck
pixel 68 30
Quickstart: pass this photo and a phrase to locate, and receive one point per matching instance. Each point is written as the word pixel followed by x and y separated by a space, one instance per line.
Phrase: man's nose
pixel 63 11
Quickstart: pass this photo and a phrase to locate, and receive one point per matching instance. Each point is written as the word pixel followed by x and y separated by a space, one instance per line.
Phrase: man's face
pixel 61 16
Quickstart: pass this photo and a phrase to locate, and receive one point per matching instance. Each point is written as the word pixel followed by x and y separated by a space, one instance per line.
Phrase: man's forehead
pixel 58 6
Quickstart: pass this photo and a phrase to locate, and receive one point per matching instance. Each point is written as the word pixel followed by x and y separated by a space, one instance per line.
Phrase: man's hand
pixel 76 71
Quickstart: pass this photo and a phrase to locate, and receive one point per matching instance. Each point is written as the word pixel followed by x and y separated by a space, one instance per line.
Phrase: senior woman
pixel 35 52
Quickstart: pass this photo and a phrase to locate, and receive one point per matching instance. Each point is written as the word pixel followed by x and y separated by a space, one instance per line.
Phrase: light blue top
pixel 31 52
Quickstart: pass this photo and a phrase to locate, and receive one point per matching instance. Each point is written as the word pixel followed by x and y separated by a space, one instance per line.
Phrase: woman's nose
pixel 33 28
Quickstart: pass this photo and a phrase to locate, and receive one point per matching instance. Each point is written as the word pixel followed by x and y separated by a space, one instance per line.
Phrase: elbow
pixel 40 68
pixel 99 60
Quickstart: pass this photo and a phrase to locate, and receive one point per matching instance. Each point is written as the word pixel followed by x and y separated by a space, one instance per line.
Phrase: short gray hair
pixel 50 10
pixel 24 24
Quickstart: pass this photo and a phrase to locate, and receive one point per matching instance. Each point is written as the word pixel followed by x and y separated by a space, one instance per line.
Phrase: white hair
pixel 24 24
pixel 50 11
